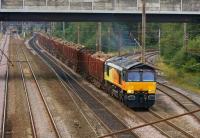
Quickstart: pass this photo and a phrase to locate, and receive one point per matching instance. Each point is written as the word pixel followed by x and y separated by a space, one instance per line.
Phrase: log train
pixel 132 82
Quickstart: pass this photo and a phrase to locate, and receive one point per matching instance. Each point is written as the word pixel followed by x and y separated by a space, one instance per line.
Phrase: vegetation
pixel 110 34
pixel 186 80
pixel 181 64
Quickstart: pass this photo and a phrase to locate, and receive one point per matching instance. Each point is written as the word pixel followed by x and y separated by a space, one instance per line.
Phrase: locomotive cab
pixel 132 82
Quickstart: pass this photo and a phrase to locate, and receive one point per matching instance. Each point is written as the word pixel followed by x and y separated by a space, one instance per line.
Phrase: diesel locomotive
pixel 134 83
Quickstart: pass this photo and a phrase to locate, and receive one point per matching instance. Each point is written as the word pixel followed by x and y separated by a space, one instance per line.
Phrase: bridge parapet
pixel 126 6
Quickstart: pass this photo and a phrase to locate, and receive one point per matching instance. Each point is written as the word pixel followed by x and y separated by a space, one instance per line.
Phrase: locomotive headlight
pixel 130 91
pixel 151 91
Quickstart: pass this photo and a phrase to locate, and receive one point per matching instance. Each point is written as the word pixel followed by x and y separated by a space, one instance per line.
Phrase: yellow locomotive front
pixel 139 87
pixel 132 82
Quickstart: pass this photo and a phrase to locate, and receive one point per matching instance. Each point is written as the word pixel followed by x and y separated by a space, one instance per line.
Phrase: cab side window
pixel 107 70
pixel 123 74
pixel 120 77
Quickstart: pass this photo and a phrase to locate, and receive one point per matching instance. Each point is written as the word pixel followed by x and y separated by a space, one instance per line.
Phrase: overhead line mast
pixel 185 39
pixel 143 30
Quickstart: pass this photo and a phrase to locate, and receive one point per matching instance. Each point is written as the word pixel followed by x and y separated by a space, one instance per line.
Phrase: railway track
pixel 2 50
pixel 17 125
pixel 106 117
pixel 184 101
pixel 164 127
pixel 5 91
pixel 149 60
pixel 29 77
pixel 28 101
pixel 5 106
pixel 185 133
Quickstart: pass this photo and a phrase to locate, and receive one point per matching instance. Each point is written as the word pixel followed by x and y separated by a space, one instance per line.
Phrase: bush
pixel 192 66
pixel 194 43
pixel 179 59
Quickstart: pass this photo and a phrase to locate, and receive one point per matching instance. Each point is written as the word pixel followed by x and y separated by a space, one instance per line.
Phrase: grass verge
pixel 180 78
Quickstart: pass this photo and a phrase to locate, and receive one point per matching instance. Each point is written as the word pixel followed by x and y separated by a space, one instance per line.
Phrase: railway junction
pixel 54 88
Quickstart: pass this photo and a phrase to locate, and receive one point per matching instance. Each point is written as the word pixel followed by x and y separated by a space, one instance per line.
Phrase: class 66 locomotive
pixel 133 82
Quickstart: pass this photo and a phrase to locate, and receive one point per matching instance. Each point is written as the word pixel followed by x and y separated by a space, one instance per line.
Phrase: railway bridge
pixel 99 10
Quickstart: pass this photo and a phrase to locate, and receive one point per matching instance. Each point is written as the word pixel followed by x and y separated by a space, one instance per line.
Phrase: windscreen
pixel 133 76
pixel 148 76
pixel 140 76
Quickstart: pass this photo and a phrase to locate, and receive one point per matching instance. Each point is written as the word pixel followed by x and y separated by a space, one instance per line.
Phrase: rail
pixel 172 124
pixel 173 94
pixel 2 50
pixel 5 105
pixel 5 91
pixel 42 97
pixel 28 101
pixel 3 54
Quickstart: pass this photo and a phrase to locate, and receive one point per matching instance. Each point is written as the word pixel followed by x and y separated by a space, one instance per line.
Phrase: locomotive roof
pixel 121 63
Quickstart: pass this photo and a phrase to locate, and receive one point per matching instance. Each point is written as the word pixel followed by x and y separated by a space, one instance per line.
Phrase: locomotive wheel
pixel 125 100
pixel 122 99
pixel 110 92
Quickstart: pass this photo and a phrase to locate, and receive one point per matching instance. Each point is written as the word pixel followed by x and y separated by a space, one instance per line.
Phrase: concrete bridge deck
pixel 94 9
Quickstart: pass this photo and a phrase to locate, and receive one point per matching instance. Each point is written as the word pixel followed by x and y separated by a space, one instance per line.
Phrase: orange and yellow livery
pixel 132 82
